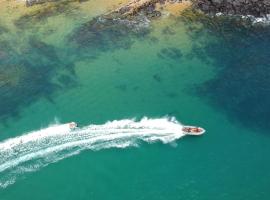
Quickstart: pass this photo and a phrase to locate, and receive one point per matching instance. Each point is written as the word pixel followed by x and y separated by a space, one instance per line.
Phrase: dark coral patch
pixel 122 87
pixel 3 29
pixel 153 40
pixel 168 31
pixel 36 17
pixel 171 95
pixel 108 34
pixel 157 78
pixel 34 73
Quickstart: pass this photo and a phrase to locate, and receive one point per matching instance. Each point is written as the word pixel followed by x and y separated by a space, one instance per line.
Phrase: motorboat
pixel 72 125
pixel 193 130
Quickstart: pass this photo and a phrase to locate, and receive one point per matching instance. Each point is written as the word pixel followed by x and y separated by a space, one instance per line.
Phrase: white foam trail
pixel 37 149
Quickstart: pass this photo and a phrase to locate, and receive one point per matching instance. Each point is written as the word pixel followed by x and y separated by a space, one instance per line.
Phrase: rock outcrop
pixel 33 2
pixel 133 8
pixel 256 8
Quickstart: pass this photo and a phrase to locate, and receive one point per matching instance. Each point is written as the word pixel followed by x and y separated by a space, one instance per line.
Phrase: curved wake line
pixel 37 149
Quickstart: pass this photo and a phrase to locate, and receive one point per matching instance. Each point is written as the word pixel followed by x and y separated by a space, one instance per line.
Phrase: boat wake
pixel 37 149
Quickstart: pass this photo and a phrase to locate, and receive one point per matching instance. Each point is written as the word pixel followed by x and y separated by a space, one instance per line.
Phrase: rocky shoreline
pixel 133 8
pixel 135 14
pixel 255 8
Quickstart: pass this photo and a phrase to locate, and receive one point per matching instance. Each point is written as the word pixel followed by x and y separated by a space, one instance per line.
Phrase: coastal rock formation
pixel 145 6
pixel 256 8
pixel 133 8
pixel 33 2
pixel 117 28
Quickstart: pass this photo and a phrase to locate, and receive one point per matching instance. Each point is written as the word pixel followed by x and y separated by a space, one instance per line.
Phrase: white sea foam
pixel 36 149
pixel 255 20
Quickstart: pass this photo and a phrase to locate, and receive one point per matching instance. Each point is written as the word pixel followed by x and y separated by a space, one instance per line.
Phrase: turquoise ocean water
pixel 57 68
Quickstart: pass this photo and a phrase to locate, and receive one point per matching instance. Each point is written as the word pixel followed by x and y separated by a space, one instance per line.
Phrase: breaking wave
pixel 37 149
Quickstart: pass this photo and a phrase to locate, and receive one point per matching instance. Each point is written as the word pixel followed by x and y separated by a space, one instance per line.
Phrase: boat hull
pixel 193 130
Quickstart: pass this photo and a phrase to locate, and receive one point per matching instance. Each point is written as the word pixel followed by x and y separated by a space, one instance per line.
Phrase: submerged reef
pixel 134 8
pixel 37 16
pixel 240 55
pixel 3 29
pixel 34 69
pixel 117 28
pixel 109 34
pixel 34 2
pixel 32 73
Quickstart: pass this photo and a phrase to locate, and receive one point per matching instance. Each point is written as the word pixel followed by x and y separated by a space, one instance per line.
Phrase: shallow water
pixel 206 72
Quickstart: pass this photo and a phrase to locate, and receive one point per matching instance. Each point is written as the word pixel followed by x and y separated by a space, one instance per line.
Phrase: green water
pixel 229 162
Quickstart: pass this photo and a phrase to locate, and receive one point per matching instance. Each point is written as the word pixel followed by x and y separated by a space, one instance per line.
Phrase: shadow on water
pixel 240 52
pixel 36 72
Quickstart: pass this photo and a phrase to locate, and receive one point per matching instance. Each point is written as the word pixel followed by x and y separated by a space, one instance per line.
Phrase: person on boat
pixel 187 129
pixel 73 125
pixel 192 129
pixel 196 130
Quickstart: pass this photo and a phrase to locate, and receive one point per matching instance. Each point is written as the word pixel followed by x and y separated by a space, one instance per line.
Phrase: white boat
pixel 193 130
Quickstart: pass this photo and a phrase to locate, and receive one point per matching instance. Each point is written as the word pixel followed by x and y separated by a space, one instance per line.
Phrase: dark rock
pixel 33 2
pixel 256 8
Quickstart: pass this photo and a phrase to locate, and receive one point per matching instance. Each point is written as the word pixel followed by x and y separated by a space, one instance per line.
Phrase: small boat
pixel 72 125
pixel 193 130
